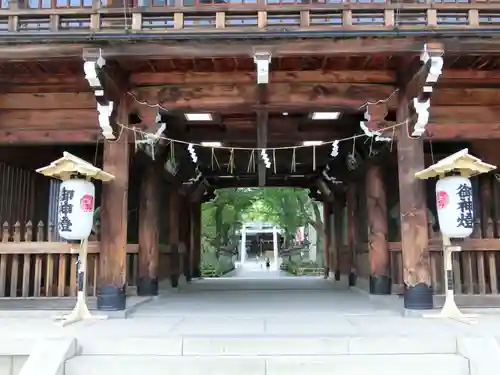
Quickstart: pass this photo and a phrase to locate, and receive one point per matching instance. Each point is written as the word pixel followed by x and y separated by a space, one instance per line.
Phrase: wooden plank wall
pixel 17 194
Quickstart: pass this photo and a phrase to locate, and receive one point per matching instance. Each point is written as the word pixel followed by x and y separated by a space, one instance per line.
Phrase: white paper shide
pixel 76 209
pixel 455 207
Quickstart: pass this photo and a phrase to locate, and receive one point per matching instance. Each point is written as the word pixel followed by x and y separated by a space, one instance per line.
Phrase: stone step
pixel 412 364
pixel 267 345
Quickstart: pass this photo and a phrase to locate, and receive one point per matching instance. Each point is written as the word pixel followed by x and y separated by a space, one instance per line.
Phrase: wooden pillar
pixel 196 239
pixel 486 205
pixel 149 232
pixel 337 218
pixel 113 244
pixel 414 230
pixel 327 236
pixel 173 238
pixel 488 231
pixel 185 236
pixel 378 247
pixel 351 231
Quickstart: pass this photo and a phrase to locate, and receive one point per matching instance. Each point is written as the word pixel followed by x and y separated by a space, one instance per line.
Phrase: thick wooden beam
pixel 246 77
pixel 414 231
pixel 233 48
pixel 244 97
pixel 455 105
pixel 49 101
pixel 376 206
pixel 149 255
pixel 462 131
pixel 49 137
pixel 50 119
pixel 76 83
pixel 435 131
pixel 112 257
pixel 449 78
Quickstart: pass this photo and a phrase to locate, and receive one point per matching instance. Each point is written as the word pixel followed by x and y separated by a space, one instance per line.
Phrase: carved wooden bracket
pixel 108 82
pixel 93 67
pixel 423 85
pixel 375 115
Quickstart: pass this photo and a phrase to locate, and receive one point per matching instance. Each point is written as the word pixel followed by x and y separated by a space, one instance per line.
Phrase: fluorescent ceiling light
pixel 211 144
pixel 325 115
pixel 198 116
pixel 312 143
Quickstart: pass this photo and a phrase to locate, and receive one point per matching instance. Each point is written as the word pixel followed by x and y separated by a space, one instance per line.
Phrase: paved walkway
pixel 255 269
pixel 273 304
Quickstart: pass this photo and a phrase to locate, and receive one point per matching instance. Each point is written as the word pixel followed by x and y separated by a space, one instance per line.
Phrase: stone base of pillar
pixel 196 273
pixel 337 275
pixel 174 281
pixel 147 286
pixel 418 297
pixel 352 279
pixel 111 298
pixel 380 284
pixel 188 275
pixel 326 272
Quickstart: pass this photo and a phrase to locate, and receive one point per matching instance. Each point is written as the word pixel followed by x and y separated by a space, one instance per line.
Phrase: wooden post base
pixel 174 281
pixel 147 286
pixel 380 284
pixel 352 279
pixel 188 274
pixel 326 272
pixel 196 273
pixel 111 298
pixel 337 275
pixel 418 297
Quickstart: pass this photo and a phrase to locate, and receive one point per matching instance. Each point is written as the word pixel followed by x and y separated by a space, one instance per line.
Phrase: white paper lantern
pixel 455 208
pixel 76 209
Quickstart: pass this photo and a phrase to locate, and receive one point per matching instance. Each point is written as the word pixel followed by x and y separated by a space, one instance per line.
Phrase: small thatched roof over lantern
pixel 69 165
pixel 461 161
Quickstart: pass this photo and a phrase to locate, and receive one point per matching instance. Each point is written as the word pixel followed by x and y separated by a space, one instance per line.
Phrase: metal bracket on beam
pixel 262 60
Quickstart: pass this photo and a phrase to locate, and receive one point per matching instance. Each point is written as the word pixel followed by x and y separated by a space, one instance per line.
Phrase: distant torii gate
pixel 243 250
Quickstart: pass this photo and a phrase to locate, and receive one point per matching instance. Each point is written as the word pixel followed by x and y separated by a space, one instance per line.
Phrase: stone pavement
pixel 240 305
pixel 271 323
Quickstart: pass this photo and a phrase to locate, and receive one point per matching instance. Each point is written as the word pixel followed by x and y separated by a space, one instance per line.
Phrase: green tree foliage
pixel 288 208
pixel 222 217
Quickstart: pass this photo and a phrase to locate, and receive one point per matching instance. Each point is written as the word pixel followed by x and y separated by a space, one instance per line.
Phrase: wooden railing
pixel 32 265
pixel 89 16
pixel 476 267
